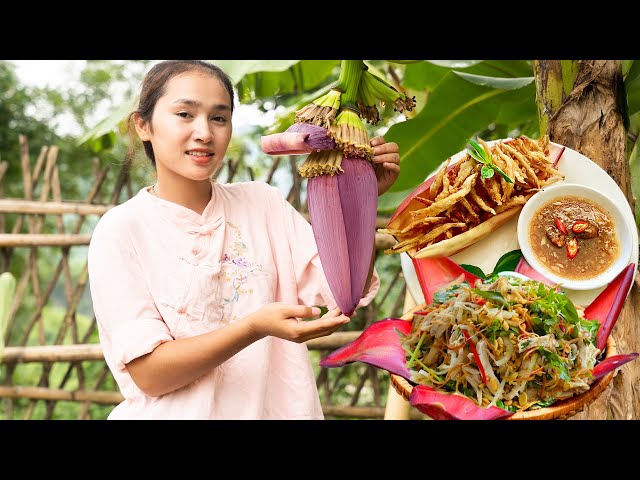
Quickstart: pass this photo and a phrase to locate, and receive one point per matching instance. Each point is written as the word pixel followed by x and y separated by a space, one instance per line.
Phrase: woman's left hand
pixel 386 163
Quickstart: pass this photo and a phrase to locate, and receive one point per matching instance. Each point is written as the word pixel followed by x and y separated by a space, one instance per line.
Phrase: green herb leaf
pixel 477 157
pixel 508 262
pixel 546 403
pixel 491 295
pixel 486 172
pixel 568 311
pixel 441 296
pixel 510 408
pixel 502 174
pixel 494 330
pixel 484 157
pixel 480 153
pixel 477 271
pixel 591 326
pixel 556 363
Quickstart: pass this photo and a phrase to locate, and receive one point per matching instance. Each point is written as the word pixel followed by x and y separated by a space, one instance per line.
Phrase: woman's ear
pixel 142 128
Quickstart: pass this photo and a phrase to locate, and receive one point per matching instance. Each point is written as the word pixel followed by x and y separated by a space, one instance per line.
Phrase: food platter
pixel 576 168
pixel 559 410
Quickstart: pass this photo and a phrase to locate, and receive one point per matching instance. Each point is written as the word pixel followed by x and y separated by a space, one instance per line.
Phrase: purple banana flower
pixel 343 209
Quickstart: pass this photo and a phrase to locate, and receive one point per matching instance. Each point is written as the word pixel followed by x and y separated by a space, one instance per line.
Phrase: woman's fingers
pixel 300 311
pixel 387 158
pixel 384 148
pixel 332 313
pixel 320 327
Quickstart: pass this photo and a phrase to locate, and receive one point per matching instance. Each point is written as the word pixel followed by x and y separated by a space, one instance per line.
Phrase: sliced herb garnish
pixel 488 167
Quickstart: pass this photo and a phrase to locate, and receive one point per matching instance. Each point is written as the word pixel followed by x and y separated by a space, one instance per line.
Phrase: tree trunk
pixel 580 106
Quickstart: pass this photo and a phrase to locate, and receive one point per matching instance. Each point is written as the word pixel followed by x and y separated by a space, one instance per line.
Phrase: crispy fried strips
pixel 460 207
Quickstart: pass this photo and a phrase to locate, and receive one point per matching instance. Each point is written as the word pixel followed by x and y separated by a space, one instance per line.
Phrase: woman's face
pixel 190 127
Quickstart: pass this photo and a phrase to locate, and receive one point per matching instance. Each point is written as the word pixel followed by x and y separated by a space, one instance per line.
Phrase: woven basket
pixel 560 410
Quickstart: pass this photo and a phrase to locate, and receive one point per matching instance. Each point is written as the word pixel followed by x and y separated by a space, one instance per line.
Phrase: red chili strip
pixel 476 356
pixel 555 162
pixel 561 226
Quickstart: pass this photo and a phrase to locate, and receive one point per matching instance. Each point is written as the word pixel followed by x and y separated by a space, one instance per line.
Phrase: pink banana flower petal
pixel 524 268
pixel 285 143
pixel 445 406
pixel 325 211
pixel 359 199
pixel 299 139
pixel 611 363
pixel 434 273
pixel 606 307
pixel 379 345
pixel 318 139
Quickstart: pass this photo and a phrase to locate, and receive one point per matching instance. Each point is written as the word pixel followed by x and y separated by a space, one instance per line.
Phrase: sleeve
pixel 129 323
pixel 313 288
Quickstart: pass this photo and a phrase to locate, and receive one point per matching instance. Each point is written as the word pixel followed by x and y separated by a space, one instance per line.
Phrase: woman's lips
pixel 200 159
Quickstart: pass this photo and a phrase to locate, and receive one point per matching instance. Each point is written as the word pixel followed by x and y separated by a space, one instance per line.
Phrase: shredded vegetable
pixel 516 344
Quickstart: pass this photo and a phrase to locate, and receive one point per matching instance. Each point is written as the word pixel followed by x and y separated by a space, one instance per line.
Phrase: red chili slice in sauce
pixel 579 226
pixel 561 226
pixel 572 248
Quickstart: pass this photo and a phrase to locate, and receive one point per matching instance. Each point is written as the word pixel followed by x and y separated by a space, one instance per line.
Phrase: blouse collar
pixel 212 215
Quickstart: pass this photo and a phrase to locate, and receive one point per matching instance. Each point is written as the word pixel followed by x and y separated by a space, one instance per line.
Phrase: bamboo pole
pixel 43 239
pixel 113 398
pixel 333 341
pixel 383 240
pixel 53 353
pixel 14 205
pixel 361 412
pixel 93 351
pixel 43 393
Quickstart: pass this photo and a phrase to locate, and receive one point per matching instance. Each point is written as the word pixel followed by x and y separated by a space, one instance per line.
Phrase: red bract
pixel 606 307
pixel 379 345
pixel 444 406
pixel 434 273
pixel 611 363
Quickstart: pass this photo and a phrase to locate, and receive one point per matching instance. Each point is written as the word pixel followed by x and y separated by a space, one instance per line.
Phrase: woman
pixel 199 288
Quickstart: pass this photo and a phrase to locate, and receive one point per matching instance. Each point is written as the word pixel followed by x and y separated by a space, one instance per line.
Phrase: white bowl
pixel 616 214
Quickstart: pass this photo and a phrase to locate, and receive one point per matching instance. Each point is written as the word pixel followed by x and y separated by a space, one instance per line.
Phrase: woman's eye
pixel 183 114
pixel 219 119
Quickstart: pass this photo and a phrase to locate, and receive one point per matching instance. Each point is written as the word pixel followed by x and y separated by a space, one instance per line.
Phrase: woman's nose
pixel 202 132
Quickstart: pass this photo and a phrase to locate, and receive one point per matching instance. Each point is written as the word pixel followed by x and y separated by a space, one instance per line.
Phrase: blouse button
pixel 195 250
pixel 205 229
pixel 182 309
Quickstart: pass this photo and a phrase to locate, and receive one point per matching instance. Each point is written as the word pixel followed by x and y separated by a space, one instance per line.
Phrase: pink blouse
pixel 159 271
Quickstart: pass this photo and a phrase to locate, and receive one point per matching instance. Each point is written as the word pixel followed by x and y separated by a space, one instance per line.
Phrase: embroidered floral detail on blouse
pixel 236 270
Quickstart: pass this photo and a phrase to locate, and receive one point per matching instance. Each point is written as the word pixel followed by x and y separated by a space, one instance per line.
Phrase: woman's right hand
pixel 284 321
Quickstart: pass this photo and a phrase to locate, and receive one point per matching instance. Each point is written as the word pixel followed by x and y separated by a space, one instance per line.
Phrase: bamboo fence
pixel 52 366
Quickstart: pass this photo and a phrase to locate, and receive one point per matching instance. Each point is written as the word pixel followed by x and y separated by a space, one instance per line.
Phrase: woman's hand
pixel 386 163
pixel 284 321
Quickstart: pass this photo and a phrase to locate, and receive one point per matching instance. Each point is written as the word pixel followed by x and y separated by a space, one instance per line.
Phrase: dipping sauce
pixel 574 238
